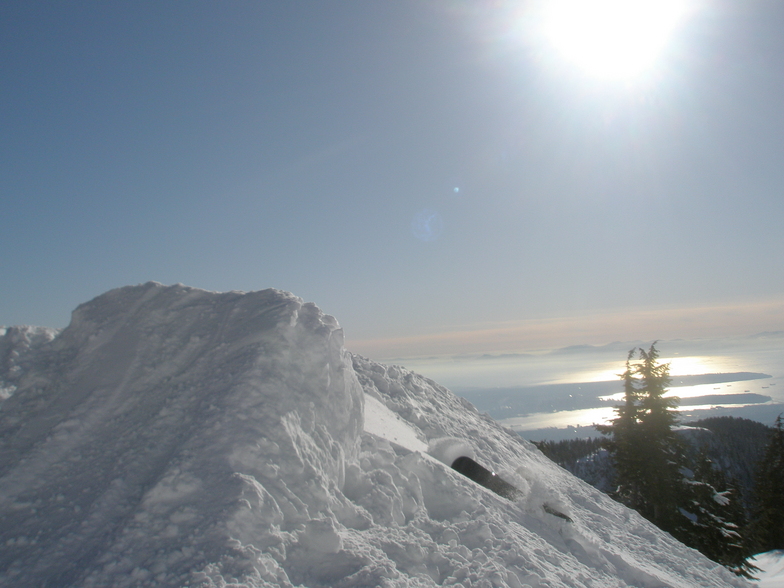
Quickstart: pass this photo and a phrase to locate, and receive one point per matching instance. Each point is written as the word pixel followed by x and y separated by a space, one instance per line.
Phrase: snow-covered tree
pixel 766 525
pixel 717 516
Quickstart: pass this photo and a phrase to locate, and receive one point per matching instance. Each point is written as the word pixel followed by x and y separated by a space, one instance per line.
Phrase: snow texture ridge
pixel 170 436
pixel 16 345
pixel 173 437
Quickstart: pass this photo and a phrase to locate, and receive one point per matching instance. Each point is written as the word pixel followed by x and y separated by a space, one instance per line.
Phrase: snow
pixel 771 565
pixel 171 436
pixel 384 423
pixel 16 345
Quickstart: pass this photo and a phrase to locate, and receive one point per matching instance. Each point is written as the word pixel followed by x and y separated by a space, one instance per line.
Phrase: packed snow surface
pixel 171 436
pixel 771 566
pixel 16 344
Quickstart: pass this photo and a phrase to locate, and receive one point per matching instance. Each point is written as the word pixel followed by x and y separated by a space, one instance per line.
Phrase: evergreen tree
pixel 624 442
pixel 717 516
pixel 662 450
pixel 734 445
pixel 652 474
pixel 766 526
pixel 648 455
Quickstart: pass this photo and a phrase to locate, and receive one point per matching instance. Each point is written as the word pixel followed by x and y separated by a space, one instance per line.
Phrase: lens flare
pixel 427 225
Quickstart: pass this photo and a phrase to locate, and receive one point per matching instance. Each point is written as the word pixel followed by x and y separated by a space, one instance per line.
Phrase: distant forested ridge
pixel 734 446
pixel 585 458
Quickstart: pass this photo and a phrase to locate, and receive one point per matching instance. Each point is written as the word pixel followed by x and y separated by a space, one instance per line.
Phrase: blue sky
pixel 245 145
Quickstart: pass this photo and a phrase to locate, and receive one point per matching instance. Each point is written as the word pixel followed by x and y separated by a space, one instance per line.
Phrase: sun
pixel 611 38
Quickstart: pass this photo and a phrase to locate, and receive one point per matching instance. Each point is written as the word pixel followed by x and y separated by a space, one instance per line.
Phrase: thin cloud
pixel 592 329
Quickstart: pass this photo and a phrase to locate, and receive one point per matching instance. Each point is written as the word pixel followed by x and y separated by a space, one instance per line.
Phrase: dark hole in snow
pixel 481 475
pixel 492 481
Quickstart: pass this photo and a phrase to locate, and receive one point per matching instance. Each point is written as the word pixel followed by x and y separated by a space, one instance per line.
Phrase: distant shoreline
pixel 517 401
pixel 677 382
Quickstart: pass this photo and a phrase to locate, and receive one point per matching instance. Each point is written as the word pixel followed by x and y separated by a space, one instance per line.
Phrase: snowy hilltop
pixel 175 437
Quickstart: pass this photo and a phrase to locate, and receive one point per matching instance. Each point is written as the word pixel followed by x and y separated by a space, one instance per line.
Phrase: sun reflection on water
pixel 679 366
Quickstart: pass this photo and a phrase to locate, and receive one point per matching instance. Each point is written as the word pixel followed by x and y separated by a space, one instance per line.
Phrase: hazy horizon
pixel 532 381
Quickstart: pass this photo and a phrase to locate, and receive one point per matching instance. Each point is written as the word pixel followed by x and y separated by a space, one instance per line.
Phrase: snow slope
pixel 771 566
pixel 171 436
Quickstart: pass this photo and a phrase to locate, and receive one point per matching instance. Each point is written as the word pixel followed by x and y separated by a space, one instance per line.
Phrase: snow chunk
pixel 771 565
pixel 19 346
pixel 448 449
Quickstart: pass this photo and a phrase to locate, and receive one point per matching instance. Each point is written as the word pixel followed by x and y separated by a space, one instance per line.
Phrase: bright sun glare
pixel 611 38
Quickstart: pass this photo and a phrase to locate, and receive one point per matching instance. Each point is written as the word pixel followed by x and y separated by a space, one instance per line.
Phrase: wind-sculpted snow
pixel 17 344
pixel 170 436
pixel 176 437
pixel 485 540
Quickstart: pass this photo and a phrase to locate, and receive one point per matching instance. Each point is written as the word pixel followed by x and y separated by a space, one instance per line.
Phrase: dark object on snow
pixel 490 480
pixel 556 513
pixel 481 475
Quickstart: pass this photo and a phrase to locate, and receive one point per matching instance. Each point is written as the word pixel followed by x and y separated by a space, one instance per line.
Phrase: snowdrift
pixel 171 436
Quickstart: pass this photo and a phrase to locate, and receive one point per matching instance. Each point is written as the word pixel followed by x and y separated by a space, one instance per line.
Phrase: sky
pixel 443 177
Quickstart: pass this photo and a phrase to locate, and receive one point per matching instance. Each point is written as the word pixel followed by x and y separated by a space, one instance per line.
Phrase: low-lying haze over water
pixel 552 394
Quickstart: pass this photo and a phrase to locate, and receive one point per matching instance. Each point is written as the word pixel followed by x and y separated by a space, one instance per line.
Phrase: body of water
pixel 554 394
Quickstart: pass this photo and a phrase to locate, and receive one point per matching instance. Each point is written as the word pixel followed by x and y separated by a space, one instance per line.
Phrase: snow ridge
pixel 171 436
pixel 148 450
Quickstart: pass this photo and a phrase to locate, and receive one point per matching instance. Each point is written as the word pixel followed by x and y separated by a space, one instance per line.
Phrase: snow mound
pixel 771 566
pixel 172 437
